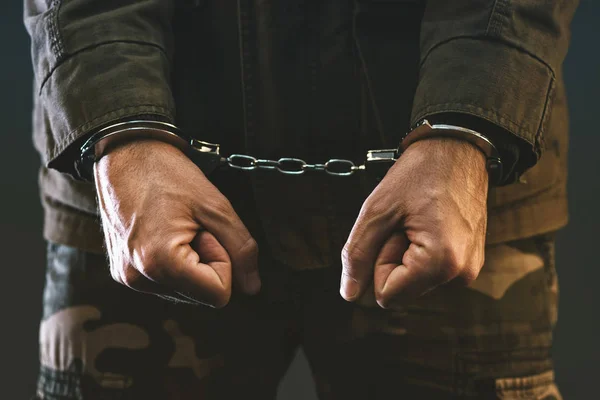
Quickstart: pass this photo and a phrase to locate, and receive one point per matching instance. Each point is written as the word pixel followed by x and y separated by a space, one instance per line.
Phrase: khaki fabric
pixel 492 340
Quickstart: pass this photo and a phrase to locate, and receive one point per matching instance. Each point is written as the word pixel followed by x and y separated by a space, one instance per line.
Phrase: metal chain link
pixel 293 166
pixel 377 161
pixel 208 158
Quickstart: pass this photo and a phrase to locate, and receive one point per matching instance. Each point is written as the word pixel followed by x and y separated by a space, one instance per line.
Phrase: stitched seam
pixel 53 31
pixel 495 23
pixel 51 21
pixel 120 112
pixel 503 11
pixel 503 41
pixel 93 46
pixel 545 115
pixel 491 20
pixel 59 38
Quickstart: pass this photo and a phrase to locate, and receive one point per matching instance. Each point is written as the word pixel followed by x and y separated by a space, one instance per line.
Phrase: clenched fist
pixel 168 230
pixel 424 224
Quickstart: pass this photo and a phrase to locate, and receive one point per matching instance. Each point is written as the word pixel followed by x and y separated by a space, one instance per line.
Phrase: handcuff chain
pixel 207 156
pixel 292 166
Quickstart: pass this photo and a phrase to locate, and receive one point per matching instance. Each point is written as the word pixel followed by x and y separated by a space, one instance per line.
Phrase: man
pixel 447 262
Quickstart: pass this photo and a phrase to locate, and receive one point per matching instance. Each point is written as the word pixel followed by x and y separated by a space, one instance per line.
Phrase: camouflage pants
pixel 492 340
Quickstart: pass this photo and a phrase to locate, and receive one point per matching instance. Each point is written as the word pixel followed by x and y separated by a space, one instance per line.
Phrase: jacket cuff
pixel 99 86
pixel 493 82
pixel 509 146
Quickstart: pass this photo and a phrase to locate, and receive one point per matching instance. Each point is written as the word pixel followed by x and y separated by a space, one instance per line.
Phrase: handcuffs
pixel 208 158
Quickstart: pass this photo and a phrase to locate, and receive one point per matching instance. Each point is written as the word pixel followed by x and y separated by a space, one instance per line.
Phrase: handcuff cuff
pixel 208 158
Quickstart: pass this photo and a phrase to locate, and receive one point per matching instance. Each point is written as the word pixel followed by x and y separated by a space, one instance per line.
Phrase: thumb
pixel 200 270
pixel 415 274
pixel 214 255
pixel 361 250
pixel 390 258
pixel 217 216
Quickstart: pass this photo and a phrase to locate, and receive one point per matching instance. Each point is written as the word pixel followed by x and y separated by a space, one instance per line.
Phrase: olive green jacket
pixel 308 79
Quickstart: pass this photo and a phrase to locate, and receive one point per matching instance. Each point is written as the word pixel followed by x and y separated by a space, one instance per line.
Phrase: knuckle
pixel 469 276
pixel 222 208
pixel 460 264
pixel 249 250
pixel 449 271
pixel 131 278
pixel 445 274
pixel 150 264
pixel 452 262
pixel 481 261
pixel 352 254
pixel 153 271
pixel 471 272
pixel 374 208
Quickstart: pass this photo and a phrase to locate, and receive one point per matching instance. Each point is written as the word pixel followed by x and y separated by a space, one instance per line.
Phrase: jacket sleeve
pixel 96 62
pixel 496 61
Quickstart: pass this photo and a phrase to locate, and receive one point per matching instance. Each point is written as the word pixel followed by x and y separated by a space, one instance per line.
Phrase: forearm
pixel 493 65
pixel 96 63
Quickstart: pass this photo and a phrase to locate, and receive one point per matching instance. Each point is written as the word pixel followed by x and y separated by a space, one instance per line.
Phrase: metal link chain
pixel 208 158
pixel 207 155
pixel 377 161
pixel 293 166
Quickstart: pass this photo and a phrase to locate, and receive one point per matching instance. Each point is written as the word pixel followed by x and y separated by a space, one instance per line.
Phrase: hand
pixel 168 230
pixel 423 225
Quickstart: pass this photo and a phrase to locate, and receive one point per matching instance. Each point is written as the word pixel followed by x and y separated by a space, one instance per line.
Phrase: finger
pixel 182 270
pixel 368 234
pixel 124 273
pixel 213 254
pixel 134 280
pixel 389 258
pixel 222 221
pixel 416 275
pixel 209 268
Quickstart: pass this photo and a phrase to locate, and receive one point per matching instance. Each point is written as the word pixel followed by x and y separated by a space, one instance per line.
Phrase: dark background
pixel 577 351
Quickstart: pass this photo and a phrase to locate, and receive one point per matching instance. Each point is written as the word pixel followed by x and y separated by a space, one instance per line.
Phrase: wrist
pixel 424 130
pixel 130 157
pixel 134 148
pixel 451 154
pixel 513 150
pixel 123 133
